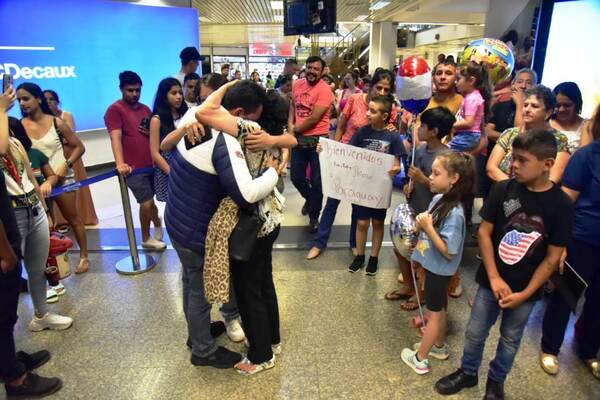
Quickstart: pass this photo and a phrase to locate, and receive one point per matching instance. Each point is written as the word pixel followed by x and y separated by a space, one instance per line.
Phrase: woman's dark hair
pixel 354 75
pixel 455 163
pixel 482 83
pixel 17 131
pixel 440 118
pixel 246 94
pixel 383 74
pixel 213 81
pixel 129 78
pixel 510 36
pixel 274 117
pixel 571 90
pixel 162 108
pixel 53 94
pixel 544 94
pixel 36 92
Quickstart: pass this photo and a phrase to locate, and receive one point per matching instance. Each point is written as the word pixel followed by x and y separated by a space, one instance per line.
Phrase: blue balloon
pixel 415 106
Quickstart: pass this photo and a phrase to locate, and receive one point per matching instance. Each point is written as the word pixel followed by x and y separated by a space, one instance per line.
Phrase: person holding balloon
pixel 439 249
pixel 474 84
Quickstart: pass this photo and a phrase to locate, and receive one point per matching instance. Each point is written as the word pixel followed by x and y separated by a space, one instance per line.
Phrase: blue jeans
pixel 312 193
pixel 483 316
pixel 327 218
pixel 195 306
pixel 35 244
pixel 465 141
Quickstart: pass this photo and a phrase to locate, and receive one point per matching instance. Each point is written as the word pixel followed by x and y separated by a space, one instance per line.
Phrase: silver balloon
pixel 402 229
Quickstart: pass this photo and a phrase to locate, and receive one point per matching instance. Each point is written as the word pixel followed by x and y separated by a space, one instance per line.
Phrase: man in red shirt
pixel 309 120
pixel 127 121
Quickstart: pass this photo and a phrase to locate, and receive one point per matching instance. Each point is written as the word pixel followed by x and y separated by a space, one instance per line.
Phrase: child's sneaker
pixel 410 358
pixel 371 266
pixel 357 264
pixel 441 353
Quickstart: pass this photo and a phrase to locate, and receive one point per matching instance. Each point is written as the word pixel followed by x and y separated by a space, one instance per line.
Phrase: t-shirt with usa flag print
pixel 525 224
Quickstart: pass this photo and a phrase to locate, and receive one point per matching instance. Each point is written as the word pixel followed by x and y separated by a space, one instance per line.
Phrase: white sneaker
pixel 51 295
pixel 235 331
pixel 158 232
pixel 441 353
pixel 60 289
pixel 410 358
pixel 154 244
pixel 50 321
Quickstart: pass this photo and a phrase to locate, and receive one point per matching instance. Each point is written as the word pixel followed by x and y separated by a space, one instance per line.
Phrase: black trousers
pixel 257 300
pixel 585 259
pixel 10 368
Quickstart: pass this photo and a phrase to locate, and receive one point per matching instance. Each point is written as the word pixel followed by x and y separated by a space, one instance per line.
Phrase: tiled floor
pixel 341 339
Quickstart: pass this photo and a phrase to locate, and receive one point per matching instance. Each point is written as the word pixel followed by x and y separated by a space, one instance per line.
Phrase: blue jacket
pixel 200 178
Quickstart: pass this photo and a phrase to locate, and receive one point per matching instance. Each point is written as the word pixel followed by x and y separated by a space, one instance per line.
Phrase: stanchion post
pixel 134 264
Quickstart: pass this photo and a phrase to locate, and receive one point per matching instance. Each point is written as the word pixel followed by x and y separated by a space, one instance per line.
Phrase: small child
pixel 526 224
pixel 376 137
pixel 474 84
pixel 439 250
pixel 436 123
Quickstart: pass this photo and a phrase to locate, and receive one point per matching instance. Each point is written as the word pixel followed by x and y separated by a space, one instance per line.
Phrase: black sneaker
pixel 222 358
pixel 371 266
pixel 357 264
pixel 34 386
pixel 313 225
pixel 217 328
pixel 33 360
pixel 305 208
pixel 455 382
pixel 493 390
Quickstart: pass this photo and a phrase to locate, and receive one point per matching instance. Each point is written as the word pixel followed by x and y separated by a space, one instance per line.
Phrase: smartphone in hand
pixel 7 81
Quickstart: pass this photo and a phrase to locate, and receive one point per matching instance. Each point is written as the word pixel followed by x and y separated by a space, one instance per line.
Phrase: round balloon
pixel 413 84
pixel 494 54
pixel 402 229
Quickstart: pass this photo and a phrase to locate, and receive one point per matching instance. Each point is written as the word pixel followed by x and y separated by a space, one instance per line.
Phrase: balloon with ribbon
pixel 402 229
pixel 413 84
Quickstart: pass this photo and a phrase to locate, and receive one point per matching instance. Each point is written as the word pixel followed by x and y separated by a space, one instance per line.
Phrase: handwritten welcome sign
pixel 356 175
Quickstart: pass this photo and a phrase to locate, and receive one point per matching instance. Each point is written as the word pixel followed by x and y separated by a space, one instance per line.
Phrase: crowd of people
pixel 215 151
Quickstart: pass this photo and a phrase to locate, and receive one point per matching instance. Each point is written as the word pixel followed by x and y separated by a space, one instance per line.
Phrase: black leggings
pixel 257 300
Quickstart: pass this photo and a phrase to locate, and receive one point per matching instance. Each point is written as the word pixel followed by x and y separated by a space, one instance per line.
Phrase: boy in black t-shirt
pixel 526 224
pixel 376 137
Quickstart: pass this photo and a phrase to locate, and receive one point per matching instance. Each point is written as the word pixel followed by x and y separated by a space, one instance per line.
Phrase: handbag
pixel 244 235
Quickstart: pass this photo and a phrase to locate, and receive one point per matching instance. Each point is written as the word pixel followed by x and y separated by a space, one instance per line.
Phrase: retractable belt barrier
pixel 132 265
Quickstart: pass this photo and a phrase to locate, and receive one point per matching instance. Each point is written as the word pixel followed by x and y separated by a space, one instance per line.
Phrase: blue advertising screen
pixel 78 48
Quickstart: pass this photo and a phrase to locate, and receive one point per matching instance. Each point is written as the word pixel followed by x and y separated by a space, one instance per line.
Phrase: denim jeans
pixel 35 244
pixel 584 258
pixel 312 193
pixel 484 314
pixel 327 218
pixel 195 306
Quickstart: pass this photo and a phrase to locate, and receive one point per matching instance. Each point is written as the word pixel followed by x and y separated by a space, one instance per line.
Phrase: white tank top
pixel 51 146
pixel 574 137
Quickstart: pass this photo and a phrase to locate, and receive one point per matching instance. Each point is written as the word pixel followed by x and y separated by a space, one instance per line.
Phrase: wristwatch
pixel 69 163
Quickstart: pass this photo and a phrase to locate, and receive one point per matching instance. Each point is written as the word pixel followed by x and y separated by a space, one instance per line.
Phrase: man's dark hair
pixel 274 117
pixel 224 66
pixel 544 94
pixel 539 142
pixel 246 94
pixel 386 103
pixel 571 90
pixel 314 59
pixel 446 61
pixel 189 54
pixel 291 61
pixel 192 76
pixel 440 118
pixel 129 78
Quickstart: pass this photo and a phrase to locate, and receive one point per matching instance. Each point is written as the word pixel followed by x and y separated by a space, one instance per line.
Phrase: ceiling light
pixel 361 18
pixel 277 5
pixel 379 5
pixel 278 18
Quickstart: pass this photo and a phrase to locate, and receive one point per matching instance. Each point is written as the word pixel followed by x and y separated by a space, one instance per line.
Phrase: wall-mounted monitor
pixel 306 17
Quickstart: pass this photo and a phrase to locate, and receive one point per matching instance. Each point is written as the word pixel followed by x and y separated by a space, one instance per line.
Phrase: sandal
pixel 398 295
pixel 313 253
pixel 411 304
pixel 84 266
pixel 245 367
